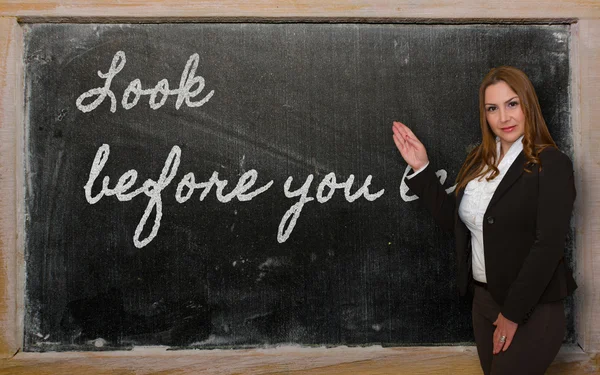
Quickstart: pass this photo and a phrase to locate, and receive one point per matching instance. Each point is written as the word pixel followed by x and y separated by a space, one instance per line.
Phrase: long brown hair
pixel 537 137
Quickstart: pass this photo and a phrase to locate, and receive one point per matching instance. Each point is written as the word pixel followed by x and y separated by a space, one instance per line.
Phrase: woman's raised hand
pixel 411 149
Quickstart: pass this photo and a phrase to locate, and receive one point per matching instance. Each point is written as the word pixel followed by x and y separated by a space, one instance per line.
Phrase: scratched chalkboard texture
pixel 132 237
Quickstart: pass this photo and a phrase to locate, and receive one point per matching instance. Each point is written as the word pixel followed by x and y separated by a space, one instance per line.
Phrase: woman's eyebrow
pixel 514 97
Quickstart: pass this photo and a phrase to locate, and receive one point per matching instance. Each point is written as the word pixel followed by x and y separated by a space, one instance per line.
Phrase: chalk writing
pixel 188 185
pixel 153 189
pixel 441 174
pixel 134 91
pixel 329 181
pixel 190 86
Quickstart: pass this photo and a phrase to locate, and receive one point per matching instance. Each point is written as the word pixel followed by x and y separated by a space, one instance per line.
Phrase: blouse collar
pixel 514 150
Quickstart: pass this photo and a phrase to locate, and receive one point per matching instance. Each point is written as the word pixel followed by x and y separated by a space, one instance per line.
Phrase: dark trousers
pixel 534 345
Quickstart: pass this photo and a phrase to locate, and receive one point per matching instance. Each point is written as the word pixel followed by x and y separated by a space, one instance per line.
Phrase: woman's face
pixel 504 114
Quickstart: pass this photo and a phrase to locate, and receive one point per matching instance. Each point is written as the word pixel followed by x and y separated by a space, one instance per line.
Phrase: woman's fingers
pixel 509 339
pixel 409 146
pixel 400 144
pixel 406 150
pixel 496 339
pixel 498 343
pixel 406 134
pixel 503 334
pixel 414 143
pixel 409 132
pixel 405 130
pixel 501 344
pixel 400 132
pixel 401 129
pixel 397 132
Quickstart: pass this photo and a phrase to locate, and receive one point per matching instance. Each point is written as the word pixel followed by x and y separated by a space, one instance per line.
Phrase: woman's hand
pixel 411 149
pixel 504 328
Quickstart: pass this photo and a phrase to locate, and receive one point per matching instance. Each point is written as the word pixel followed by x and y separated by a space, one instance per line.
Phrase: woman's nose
pixel 503 115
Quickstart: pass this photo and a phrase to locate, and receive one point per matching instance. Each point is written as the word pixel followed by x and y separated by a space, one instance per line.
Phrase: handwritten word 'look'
pixel 153 190
pixel 160 92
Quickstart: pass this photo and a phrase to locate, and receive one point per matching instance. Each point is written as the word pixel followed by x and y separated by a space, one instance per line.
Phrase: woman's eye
pixel 491 109
pixel 513 104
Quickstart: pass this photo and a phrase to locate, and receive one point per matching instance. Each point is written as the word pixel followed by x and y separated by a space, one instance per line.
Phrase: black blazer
pixel 524 232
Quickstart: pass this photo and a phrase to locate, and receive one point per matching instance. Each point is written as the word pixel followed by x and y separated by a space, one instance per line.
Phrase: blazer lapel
pixel 459 227
pixel 513 173
pixel 459 198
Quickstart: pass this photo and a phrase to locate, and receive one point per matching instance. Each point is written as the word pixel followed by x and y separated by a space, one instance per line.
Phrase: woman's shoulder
pixel 552 157
pixel 552 153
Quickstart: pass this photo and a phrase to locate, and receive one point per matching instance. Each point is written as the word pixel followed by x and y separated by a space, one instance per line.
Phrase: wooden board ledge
pixel 285 359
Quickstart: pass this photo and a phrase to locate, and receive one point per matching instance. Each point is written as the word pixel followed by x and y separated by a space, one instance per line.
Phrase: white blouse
pixel 477 196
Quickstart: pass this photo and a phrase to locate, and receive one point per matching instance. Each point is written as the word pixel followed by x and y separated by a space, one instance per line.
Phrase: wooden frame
pixel 585 58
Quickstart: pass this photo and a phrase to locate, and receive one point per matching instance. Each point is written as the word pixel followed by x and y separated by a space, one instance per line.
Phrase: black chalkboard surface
pixel 234 185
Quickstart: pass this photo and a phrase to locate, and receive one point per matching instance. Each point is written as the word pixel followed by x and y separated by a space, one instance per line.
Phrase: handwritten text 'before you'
pixel 244 190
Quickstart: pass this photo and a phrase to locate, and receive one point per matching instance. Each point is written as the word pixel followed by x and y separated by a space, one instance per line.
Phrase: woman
pixel 510 214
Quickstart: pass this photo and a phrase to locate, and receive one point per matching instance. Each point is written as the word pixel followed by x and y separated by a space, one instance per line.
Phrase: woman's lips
pixel 509 129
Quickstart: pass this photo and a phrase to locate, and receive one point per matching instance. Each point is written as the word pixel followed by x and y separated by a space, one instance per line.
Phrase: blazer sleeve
pixel 556 195
pixel 433 196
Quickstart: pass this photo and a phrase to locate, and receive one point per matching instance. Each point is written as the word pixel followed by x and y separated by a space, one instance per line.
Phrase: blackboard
pixel 262 106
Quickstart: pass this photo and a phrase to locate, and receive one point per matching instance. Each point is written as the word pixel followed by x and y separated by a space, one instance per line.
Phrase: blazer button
pixel 490 220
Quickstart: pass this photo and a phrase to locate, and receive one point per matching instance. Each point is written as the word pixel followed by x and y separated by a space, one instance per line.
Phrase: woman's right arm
pixel 425 184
